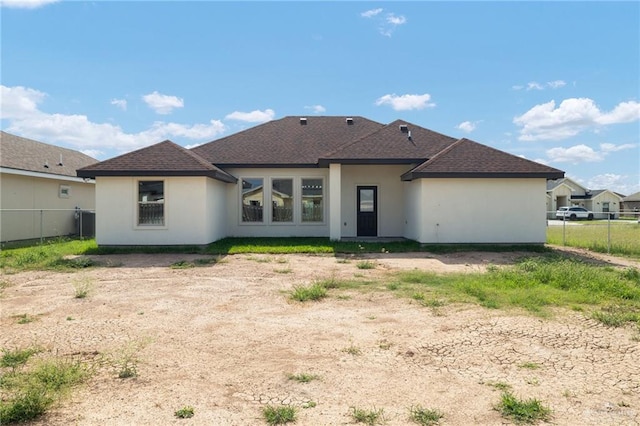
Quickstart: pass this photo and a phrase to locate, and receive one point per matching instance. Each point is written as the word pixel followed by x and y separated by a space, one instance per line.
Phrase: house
pixel 40 190
pixel 336 177
pixel 566 192
pixel 631 203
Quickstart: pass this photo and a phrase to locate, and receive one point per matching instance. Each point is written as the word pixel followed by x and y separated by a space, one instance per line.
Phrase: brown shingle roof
pixel 162 159
pixel 26 154
pixel 286 142
pixel 466 158
pixel 391 144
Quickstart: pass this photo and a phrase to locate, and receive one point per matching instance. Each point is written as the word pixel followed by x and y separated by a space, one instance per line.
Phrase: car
pixel 574 213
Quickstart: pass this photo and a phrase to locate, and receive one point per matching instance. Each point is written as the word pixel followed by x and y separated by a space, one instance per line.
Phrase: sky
pixel 554 82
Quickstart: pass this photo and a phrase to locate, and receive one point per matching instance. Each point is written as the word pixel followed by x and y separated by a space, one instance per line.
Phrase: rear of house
pixel 336 177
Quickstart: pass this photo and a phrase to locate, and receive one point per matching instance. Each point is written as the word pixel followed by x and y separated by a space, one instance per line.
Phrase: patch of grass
pixel 53 254
pixel 314 291
pixel 529 365
pixel 366 264
pixel 522 411
pixel 368 417
pixel 309 404
pixel 425 416
pixel 28 393
pixel 24 318
pixel 185 412
pixel 352 350
pixel 283 270
pixel 625 238
pixel 617 315
pixel 385 345
pixel 303 377
pixel 500 386
pixel 82 287
pixel 16 357
pixel 279 415
pixel 182 264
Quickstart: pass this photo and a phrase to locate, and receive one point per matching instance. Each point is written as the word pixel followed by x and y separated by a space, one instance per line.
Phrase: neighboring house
pixel 40 189
pixel 341 177
pixel 566 192
pixel 631 203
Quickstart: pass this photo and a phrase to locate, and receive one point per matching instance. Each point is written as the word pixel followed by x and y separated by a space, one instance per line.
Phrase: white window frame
pixel 64 191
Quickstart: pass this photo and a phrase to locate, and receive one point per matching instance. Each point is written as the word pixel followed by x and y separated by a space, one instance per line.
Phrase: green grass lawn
pixel 624 237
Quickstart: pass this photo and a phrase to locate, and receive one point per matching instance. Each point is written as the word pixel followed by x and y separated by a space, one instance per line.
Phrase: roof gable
pixel 399 141
pixel 26 154
pixel 162 159
pixel 466 158
pixel 633 197
pixel 286 141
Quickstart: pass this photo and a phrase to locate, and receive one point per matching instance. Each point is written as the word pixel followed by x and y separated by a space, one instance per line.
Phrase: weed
pixel 393 286
pixel 425 416
pixel 385 345
pixel 127 360
pixel 204 261
pixel 533 381
pixel 617 316
pixel 282 260
pixel 313 292
pixel 418 296
pixel 185 412
pixel 342 260
pixel 82 287
pixel 368 417
pixel 309 404
pixel 522 411
pixel 70 318
pixel 352 350
pixel 500 386
pixel 28 394
pixel 182 264
pixel 568 394
pixel 25 318
pixel 366 264
pixel 17 357
pixel 343 297
pixel 303 377
pixel 279 415
pixel 529 365
pixel 623 404
pixel 283 270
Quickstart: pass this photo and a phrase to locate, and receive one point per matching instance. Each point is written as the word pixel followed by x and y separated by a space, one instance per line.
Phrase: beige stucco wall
pixel 413 222
pixel 390 197
pixel 36 193
pixel 481 211
pixel 604 197
pixel 192 210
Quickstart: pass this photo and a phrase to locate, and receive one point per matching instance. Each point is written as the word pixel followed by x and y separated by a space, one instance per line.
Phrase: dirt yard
pixel 224 337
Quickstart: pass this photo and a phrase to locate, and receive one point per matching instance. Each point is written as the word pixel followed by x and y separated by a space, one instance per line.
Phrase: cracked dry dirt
pixel 223 338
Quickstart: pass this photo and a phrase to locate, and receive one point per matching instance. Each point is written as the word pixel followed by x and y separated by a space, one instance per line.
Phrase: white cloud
pixel 572 116
pixel 406 102
pixel 20 109
pixel 517 87
pixel 120 103
pixel 468 126
pixel 256 116
pixel 318 109
pixel 162 104
pixel 575 154
pixel 532 85
pixel 618 183
pixel 556 84
pixel 609 147
pixel 584 154
pixel 371 13
pixel 396 20
pixel 25 4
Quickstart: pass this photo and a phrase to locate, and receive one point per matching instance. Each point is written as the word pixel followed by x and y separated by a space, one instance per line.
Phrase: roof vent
pixel 404 128
pixel 46 164
pixel 60 163
pixel 409 135
pixel 349 121
pixel 303 121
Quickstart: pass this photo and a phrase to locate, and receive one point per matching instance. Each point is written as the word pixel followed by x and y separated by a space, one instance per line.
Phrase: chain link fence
pixel 34 224
pixel 617 233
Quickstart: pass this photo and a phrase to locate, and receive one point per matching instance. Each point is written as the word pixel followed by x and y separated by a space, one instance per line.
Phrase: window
pixel 312 200
pixel 252 200
pixel 605 207
pixel 151 202
pixel 64 191
pixel 282 200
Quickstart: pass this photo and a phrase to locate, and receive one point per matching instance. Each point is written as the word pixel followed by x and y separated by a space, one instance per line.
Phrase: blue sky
pixel 555 82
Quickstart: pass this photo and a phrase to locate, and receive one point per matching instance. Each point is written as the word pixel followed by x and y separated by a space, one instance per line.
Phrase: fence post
pixel 80 213
pixel 564 230
pixel 609 233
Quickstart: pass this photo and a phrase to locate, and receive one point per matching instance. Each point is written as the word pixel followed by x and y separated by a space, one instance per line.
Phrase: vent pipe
pixel 303 121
